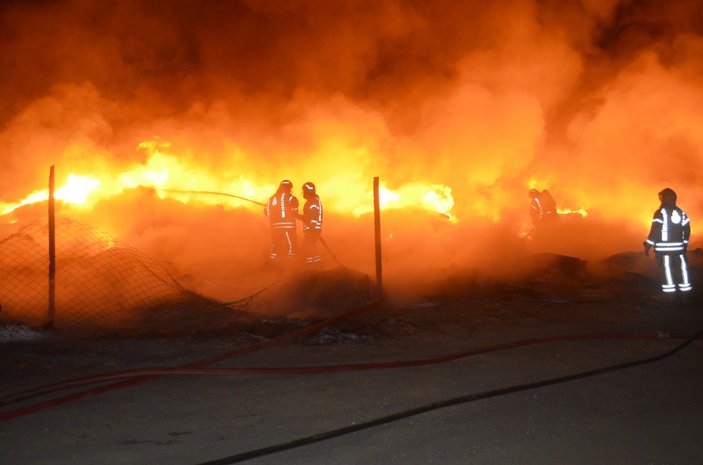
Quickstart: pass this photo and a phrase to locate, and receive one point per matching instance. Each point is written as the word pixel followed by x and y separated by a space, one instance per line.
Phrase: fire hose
pixel 464 399
pixel 136 379
pixel 138 376
pixel 144 378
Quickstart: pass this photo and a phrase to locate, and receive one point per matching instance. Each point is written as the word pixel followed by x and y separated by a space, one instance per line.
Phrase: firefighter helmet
pixel 285 184
pixel 533 193
pixel 667 196
pixel 309 188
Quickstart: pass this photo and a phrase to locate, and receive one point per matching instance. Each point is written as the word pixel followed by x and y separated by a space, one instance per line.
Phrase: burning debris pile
pixel 104 285
pixel 316 294
pixel 149 109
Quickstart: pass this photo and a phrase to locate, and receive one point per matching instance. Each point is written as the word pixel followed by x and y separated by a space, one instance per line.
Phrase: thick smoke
pixel 599 101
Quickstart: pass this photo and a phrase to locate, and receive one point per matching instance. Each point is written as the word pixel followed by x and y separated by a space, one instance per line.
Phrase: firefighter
pixel 312 223
pixel 543 208
pixel 536 210
pixel 669 234
pixel 549 206
pixel 282 210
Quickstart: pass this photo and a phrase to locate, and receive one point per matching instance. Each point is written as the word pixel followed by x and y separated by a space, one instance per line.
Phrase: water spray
pixel 224 194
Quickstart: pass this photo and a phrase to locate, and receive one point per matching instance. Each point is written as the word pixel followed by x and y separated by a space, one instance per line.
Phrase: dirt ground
pixel 648 413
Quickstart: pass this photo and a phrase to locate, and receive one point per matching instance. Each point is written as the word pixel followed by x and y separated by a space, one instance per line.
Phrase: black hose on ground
pixel 196 368
pixel 241 457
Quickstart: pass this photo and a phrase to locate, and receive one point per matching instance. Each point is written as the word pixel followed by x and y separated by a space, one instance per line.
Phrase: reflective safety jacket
pixel 670 230
pixel 543 208
pixel 549 206
pixel 312 214
pixel 536 210
pixel 282 209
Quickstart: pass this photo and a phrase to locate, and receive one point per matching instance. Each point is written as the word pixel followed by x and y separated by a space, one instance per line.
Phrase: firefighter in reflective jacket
pixel 312 223
pixel 543 208
pixel 536 211
pixel 669 236
pixel 282 210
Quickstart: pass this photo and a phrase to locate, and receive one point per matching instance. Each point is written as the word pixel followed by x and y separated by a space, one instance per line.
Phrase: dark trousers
pixel 283 243
pixel 310 239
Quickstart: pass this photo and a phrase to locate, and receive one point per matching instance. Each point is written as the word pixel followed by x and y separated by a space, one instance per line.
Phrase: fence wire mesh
pixel 100 284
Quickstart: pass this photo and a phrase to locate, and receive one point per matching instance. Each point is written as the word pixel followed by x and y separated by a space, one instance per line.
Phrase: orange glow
pixel 567 211
pixel 76 191
pixel 458 108
pixel 38 196
pixel 437 198
pixel 167 175
pixel 541 186
pixel 545 96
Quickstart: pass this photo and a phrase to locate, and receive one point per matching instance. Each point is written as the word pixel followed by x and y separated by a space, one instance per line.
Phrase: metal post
pixel 52 252
pixel 377 228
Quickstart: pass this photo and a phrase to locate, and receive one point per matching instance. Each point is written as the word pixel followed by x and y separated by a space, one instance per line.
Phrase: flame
pixel 176 178
pixel 568 211
pixel 441 200
pixel 431 197
pixel 540 186
pixel 76 191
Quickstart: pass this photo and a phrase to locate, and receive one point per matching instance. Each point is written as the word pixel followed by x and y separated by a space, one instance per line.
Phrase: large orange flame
pixel 172 177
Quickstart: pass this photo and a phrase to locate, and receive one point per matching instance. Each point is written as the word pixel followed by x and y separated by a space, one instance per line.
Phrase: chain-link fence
pixel 100 285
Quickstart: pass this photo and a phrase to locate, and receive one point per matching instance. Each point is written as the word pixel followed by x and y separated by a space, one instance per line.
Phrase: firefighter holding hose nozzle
pixel 282 210
pixel 543 208
pixel 669 235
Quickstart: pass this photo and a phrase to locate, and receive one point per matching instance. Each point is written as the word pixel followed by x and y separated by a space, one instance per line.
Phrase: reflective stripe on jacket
pixel 670 231
pixel 312 214
pixel 282 209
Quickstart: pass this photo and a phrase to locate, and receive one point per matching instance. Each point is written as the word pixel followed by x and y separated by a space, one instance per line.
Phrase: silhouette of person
pixel 312 223
pixel 282 210
pixel 669 235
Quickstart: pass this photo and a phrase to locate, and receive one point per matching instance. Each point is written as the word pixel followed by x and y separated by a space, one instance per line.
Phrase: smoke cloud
pixel 598 101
